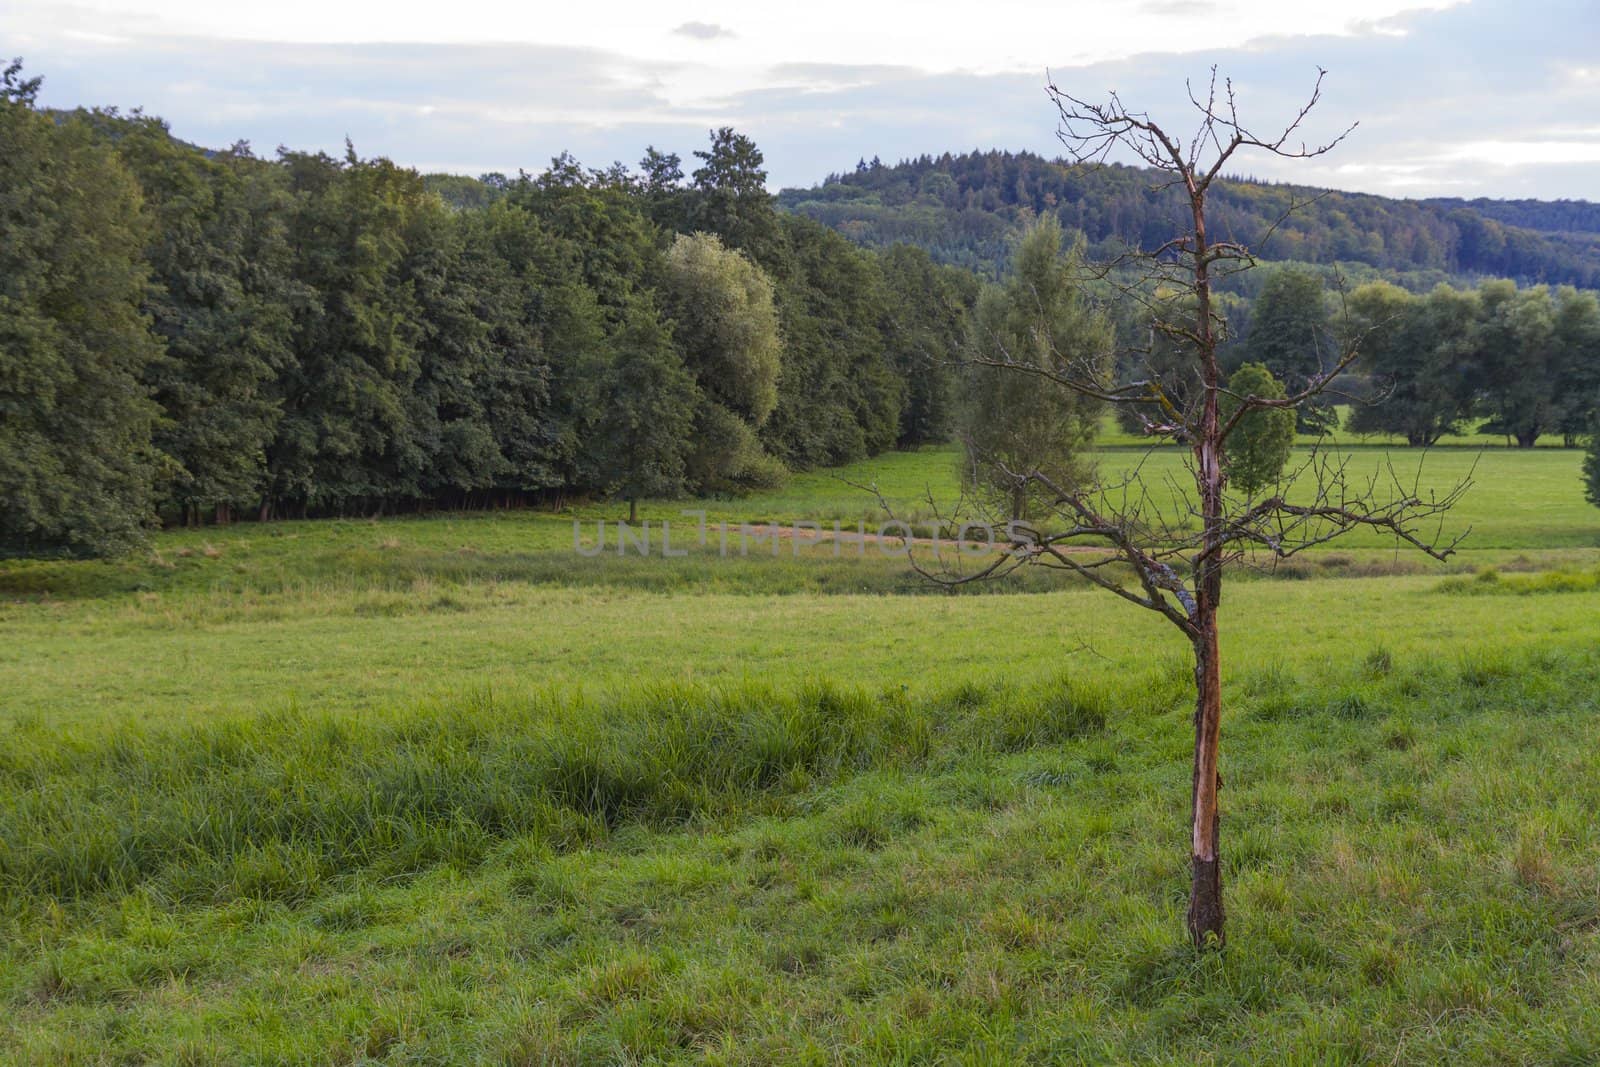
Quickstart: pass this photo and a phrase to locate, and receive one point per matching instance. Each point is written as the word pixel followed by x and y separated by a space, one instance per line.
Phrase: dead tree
pixel 1167 550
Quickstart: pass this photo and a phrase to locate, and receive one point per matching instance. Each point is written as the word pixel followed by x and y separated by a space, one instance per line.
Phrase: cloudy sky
pixel 1454 97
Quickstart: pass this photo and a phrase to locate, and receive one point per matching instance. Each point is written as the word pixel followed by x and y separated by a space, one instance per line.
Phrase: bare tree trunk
pixel 1019 503
pixel 1205 889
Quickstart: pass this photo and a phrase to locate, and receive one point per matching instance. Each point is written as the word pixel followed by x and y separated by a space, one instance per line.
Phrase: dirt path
pixel 847 535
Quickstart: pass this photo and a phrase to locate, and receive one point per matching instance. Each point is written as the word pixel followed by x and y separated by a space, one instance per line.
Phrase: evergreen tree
pixel 730 198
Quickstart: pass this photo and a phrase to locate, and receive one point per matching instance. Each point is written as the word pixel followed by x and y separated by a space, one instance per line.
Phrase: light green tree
pixel 1260 443
pixel 1015 425
pixel 726 327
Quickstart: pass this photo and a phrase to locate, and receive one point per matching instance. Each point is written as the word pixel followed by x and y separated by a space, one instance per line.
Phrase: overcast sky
pixel 1475 98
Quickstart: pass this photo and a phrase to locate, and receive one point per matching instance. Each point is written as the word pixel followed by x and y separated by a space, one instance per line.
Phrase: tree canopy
pixel 194 336
pixel 78 464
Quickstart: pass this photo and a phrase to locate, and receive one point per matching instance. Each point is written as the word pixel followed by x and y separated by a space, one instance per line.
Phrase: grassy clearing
pixel 1490 582
pixel 439 790
pixel 360 652
pixel 1523 503
pixel 1520 499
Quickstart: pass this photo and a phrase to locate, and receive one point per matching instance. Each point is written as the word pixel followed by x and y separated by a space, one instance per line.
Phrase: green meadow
pixel 441 789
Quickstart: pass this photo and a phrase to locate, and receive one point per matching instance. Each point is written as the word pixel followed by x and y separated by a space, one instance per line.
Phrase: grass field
pixel 439 789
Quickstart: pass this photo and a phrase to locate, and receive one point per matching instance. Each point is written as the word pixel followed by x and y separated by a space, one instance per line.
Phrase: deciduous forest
pixel 197 335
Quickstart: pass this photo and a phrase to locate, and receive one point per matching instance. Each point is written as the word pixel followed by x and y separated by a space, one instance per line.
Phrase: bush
pixel 1259 445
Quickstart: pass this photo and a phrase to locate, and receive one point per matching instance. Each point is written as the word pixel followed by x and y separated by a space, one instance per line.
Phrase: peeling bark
pixel 1205 890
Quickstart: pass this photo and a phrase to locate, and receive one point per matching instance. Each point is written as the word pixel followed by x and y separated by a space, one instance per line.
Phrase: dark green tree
pixel 925 324
pixel 222 301
pixel 1417 352
pixel 839 398
pixel 643 441
pixel 602 272
pixel 666 201
pixel 729 197
pixel 1290 336
pixel 453 293
pixel 1575 368
pixel 1514 352
pixel 77 465
pixel 349 438
pixel 536 310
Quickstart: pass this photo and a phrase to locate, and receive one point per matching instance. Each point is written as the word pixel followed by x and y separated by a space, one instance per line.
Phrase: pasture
pixel 440 789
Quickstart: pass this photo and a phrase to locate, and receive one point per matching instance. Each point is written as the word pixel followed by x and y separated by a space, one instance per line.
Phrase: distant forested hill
pixel 961 208
pixel 1568 218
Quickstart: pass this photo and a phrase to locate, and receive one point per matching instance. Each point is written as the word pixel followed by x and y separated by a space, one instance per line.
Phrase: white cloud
pixel 1525 153
pixel 1473 97
pixel 704 31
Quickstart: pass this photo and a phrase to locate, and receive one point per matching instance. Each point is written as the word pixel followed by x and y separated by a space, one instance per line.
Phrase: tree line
pixel 1516 362
pixel 197 335
pixel 1497 360
pixel 190 335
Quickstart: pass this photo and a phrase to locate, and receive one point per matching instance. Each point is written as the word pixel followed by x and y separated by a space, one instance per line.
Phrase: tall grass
pixel 825 875
pixel 274 806
pixel 1489 582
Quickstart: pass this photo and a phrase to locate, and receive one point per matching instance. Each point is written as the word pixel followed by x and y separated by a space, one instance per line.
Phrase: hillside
pixel 961 208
